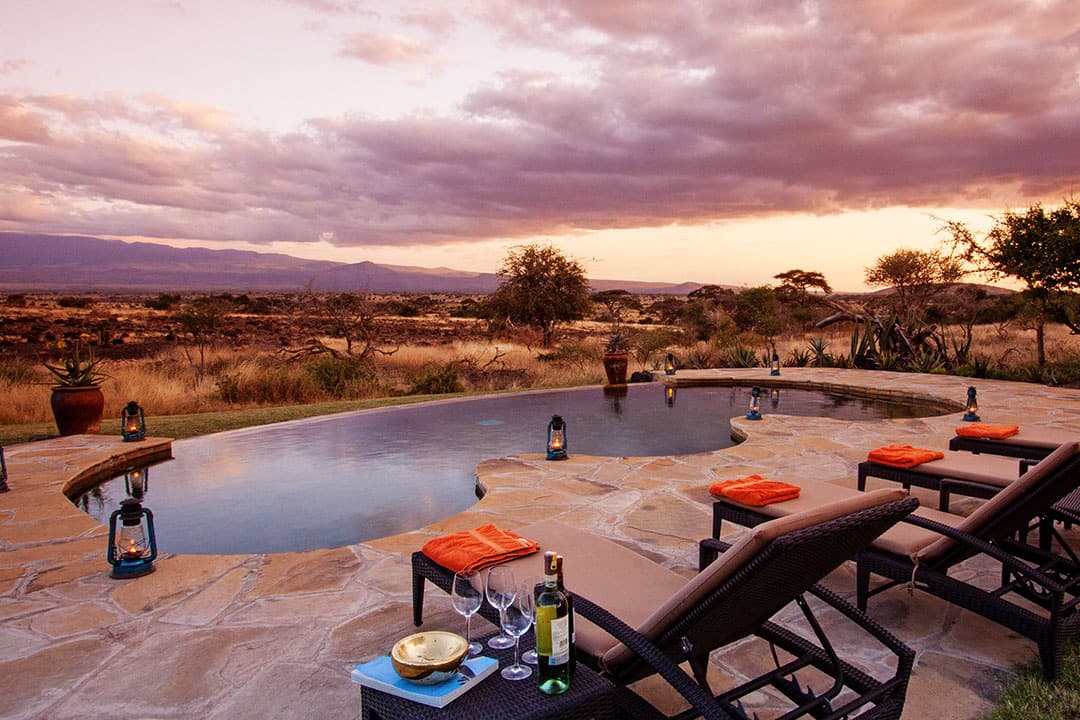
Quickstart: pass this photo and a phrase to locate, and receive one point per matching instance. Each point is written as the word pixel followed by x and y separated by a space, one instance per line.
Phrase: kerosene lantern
pixel 132 422
pixel 669 395
pixel 754 411
pixel 774 366
pixel 971 413
pixel 3 472
pixel 132 545
pixel 774 398
pixel 137 482
pixel 556 438
pixel 670 364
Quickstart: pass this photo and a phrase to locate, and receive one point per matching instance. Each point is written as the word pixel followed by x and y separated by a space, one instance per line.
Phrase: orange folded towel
pixel 472 550
pixel 755 490
pixel 986 430
pixel 903 456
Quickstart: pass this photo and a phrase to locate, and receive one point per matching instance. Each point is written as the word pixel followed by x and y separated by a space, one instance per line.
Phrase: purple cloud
pixel 691 113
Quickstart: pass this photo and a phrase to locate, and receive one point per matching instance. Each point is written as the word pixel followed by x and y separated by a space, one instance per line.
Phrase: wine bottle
pixel 570 612
pixel 552 632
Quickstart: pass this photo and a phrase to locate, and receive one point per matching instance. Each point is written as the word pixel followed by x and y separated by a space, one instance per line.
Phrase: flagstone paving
pixel 276 635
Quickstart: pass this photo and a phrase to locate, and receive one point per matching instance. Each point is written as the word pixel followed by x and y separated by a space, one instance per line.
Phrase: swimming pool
pixel 341 479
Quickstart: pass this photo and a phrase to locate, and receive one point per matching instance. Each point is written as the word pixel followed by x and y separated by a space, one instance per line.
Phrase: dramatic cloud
pixel 681 112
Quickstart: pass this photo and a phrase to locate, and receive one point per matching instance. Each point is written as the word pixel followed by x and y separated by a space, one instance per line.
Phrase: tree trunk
pixel 1040 341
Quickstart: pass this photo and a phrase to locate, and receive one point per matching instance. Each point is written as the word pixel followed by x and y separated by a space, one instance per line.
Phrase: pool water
pixel 341 479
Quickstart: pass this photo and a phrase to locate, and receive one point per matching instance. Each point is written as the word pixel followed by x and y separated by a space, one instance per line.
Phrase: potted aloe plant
pixel 616 353
pixel 77 402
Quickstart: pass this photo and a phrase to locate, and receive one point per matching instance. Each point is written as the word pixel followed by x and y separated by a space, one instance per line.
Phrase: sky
pixel 719 141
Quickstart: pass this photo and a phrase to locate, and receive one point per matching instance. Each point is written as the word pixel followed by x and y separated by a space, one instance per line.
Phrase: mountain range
pixel 31 262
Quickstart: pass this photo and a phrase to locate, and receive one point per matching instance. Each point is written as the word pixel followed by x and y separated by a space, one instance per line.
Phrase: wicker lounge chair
pixel 1039 589
pixel 1029 443
pixel 636 618
pixel 964 473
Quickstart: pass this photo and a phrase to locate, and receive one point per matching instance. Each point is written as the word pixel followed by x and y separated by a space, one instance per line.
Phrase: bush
pixel 339 376
pixel 74 301
pixel 164 301
pixel 438 380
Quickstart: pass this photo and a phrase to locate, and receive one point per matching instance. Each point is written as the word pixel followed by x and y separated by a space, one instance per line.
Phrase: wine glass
pixel 529 586
pixel 516 620
pixel 500 593
pixel 466 596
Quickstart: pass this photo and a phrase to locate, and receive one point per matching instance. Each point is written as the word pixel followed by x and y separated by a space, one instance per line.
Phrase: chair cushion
pixel 981 468
pixel 1039 437
pixel 620 580
pixel 907 540
pixel 815 496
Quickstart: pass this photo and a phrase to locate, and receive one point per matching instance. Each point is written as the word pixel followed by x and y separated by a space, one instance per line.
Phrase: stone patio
pixel 276 635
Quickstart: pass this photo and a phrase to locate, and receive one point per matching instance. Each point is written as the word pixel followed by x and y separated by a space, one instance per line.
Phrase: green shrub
pixel 437 380
pixel 741 356
pixel 336 375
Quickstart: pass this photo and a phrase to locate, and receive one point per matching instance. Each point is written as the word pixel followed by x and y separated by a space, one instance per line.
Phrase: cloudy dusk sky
pixel 712 141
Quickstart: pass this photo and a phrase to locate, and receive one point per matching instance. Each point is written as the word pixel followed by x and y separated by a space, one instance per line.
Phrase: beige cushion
pixel 620 580
pixel 1039 437
pixel 981 468
pixel 812 495
pixel 907 540
pixel 1003 500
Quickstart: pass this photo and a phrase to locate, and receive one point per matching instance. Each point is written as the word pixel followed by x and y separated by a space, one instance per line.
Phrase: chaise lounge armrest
pixel 1008 560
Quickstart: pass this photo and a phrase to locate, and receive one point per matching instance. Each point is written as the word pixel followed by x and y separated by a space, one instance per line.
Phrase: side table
pixel 590 697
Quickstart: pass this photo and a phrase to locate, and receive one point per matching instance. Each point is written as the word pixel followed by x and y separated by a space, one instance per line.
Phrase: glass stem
pixel 516 639
pixel 468 628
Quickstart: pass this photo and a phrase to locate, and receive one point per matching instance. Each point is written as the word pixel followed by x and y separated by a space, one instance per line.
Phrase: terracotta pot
pixel 615 366
pixel 77 410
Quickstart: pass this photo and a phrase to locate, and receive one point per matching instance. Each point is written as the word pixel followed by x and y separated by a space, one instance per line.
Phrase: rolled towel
pixel 755 490
pixel 903 456
pixel 986 430
pixel 472 550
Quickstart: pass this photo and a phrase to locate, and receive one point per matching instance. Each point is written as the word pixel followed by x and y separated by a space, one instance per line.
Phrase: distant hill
pixel 78 263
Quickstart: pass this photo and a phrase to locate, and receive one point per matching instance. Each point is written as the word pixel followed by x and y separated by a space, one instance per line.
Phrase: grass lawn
pixel 184 426
pixel 1029 696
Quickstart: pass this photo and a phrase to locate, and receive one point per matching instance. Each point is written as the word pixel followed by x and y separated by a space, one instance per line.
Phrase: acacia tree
pixel 540 287
pixel 917 277
pixel 616 303
pixel 796 284
pixel 1039 247
pixel 200 324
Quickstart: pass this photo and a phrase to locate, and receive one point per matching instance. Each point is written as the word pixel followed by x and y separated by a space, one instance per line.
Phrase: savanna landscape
pixel 193 353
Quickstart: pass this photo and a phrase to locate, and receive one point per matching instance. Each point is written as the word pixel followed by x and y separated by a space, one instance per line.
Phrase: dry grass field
pixel 251 360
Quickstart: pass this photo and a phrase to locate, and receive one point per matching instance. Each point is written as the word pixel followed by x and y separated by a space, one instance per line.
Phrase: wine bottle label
pixel 560 640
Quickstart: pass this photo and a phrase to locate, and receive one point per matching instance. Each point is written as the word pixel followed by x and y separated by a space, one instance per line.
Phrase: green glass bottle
pixel 552 632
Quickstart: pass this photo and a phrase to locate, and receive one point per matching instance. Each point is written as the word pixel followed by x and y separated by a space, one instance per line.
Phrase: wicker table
pixel 590 697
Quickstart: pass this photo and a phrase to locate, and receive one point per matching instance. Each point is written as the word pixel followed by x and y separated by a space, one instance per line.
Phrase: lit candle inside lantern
pixel 556 439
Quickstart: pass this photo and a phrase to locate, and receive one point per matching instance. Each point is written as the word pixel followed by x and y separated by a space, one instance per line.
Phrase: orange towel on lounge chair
pixel 903 456
pixel 472 550
pixel 755 490
pixel 986 430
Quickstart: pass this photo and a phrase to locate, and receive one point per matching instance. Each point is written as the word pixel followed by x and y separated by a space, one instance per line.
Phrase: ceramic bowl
pixel 429 658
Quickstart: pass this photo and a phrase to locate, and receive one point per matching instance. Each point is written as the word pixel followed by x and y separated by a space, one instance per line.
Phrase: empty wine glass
pixel 466 596
pixel 529 586
pixel 500 593
pixel 516 620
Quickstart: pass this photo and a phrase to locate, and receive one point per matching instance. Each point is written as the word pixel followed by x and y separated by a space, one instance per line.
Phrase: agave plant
pixel 79 368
